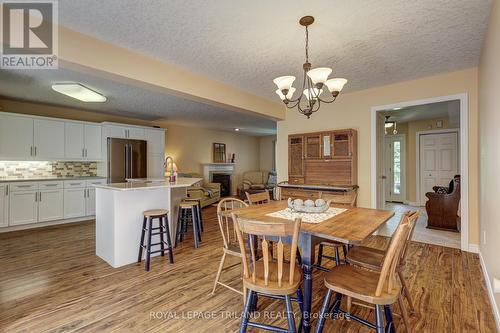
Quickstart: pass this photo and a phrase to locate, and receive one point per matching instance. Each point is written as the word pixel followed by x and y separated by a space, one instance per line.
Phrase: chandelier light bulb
pixel 336 85
pixel 319 75
pixel 313 93
pixel 284 82
pixel 288 96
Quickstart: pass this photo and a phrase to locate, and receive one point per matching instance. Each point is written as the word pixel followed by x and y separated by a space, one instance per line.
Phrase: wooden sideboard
pixel 323 158
pixel 338 194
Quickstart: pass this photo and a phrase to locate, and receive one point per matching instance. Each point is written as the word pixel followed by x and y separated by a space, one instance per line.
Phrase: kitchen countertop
pixel 41 179
pixel 144 185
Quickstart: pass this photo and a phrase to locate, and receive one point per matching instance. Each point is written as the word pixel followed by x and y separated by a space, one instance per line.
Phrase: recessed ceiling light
pixel 397 109
pixel 80 92
pixel 237 129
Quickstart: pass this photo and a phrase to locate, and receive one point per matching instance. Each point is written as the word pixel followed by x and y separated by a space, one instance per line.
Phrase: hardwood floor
pixel 51 281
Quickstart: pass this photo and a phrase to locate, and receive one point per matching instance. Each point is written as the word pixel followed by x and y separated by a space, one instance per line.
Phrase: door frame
pixel 464 156
pixel 402 138
pixel 417 153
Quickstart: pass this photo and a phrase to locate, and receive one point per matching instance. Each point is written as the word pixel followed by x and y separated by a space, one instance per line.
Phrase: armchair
pixel 207 193
pixel 442 208
pixel 253 180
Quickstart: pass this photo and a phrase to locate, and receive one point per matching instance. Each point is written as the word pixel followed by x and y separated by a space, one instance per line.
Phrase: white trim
pixel 402 139
pixel 417 157
pixel 491 294
pixel 464 154
pixel 474 248
pixel 46 224
pixel 411 203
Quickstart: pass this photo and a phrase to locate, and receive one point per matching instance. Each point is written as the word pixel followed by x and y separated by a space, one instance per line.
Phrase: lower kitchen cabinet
pixel 23 207
pixel 4 205
pixel 74 202
pixel 90 202
pixel 50 205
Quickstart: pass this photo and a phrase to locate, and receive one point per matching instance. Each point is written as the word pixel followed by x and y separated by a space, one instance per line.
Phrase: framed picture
pixel 219 151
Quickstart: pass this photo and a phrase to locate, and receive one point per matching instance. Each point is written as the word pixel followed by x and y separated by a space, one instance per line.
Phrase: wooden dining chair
pixel 377 288
pixel 258 198
pixel 266 276
pixel 229 239
pixel 373 259
pixel 348 200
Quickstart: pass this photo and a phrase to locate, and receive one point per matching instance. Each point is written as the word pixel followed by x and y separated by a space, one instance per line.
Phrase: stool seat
pixel 188 204
pixel 155 212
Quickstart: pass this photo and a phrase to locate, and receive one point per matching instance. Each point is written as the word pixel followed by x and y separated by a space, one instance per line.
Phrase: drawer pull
pixel 24 186
pixel 50 184
pixel 75 183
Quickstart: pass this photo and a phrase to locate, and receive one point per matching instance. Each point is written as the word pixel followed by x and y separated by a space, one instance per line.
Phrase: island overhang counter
pixel 119 215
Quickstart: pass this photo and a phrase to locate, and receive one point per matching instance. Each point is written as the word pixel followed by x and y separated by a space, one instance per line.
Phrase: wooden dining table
pixel 349 227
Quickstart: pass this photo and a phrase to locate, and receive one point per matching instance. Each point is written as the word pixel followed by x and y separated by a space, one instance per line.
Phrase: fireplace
pixel 224 179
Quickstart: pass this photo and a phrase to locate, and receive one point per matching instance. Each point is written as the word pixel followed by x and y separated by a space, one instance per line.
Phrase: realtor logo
pixel 29 37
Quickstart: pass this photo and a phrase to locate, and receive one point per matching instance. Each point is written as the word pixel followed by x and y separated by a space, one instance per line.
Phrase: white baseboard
pixel 412 203
pixel 491 295
pixel 45 224
pixel 474 248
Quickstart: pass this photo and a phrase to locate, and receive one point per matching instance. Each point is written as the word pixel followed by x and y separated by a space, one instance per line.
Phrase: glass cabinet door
pixel 326 145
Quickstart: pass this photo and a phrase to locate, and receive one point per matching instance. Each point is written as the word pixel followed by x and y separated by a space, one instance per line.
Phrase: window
pixel 396 167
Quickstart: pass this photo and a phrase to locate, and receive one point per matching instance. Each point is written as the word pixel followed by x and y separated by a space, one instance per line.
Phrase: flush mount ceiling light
pixel 312 84
pixel 80 92
pixel 388 124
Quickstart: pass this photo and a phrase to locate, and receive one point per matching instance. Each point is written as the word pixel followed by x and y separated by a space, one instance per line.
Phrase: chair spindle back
pixel 258 198
pixel 259 231
pixel 225 220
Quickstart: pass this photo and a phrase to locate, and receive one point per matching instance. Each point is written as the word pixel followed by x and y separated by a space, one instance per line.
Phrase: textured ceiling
pixel 128 101
pixel 248 43
pixel 449 110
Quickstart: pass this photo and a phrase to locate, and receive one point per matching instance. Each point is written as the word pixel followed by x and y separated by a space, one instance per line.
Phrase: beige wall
pixel 352 110
pixel 411 154
pixel 192 146
pixel 266 152
pixel 489 116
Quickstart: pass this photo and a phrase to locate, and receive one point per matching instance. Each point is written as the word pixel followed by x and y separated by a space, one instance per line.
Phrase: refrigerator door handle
pixel 126 162
pixel 130 156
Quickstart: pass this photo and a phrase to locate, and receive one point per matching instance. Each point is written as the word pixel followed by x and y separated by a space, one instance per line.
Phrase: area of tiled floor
pixel 421 234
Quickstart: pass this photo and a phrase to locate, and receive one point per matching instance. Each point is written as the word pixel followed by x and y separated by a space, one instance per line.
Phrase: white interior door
pixel 395 168
pixel 438 161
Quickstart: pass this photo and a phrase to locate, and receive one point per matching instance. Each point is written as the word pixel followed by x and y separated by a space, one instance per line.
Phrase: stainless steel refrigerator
pixel 126 159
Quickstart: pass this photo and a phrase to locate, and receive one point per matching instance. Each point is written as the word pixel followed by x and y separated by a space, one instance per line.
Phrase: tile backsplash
pixel 33 169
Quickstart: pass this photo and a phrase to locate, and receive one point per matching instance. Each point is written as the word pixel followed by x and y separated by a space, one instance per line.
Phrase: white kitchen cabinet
pixel 23 207
pixel 156 166
pixel 50 205
pixel 135 133
pixel 123 132
pixel 156 141
pixel 16 137
pixel 74 202
pixel 4 205
pixel 49 139
pixel 93 136
pixel 90 202
pixel 74 140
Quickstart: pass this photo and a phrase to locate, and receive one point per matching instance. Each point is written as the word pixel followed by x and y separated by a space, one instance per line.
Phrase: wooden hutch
pixel 321 164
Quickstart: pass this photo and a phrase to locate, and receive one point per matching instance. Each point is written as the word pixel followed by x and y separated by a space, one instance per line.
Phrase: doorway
pixel 397 191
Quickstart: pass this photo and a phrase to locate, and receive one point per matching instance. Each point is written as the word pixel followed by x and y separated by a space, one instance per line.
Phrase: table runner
pixel 288 214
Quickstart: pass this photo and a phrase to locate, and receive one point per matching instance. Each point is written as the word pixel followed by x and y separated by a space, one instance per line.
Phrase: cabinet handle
pixel 40 196
pixel 35 150
pixel 86 153
pixel 23 186
pixel 50 185
pixel 36 196
pixel 31 151
pixel 7 190
pixel 83 152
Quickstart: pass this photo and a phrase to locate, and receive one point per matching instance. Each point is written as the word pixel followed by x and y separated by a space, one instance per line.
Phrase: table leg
pixel 307 248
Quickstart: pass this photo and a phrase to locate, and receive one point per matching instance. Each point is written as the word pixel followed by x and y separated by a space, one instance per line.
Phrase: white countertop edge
pixel 132 186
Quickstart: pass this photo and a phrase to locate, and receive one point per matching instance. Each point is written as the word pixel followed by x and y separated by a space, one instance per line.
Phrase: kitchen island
pixel 119 208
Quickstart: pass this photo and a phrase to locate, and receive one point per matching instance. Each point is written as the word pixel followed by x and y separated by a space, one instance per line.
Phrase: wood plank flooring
pixel 51 281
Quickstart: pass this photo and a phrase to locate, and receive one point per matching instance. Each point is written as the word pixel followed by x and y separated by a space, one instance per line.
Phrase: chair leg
pixel 379 319
pixel 162 231
pixel 196 232
pixel 169 241
pixel 200 217
pixel 300 301
pixel 179 228
pixel 139 258
pixel 320 254
pixel 198 223
pixel 337 255
pixel 404 313
pixel 246 313
pixel 289 314
pixel 148 246
pixel 324 311
pixel 219 271
pixel 406 292
pixel 389 327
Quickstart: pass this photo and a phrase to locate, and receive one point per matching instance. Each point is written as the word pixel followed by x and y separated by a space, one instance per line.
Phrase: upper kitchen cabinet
pixel 82 141
pixel 16 137
pixel 156 141
pixel 123 132
pixel 48 139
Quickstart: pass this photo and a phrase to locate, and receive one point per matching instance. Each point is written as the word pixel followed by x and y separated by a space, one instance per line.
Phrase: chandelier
pixel 313 83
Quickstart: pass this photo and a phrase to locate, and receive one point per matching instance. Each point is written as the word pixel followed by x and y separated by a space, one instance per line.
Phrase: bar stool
pixel 200 216
pixel 147 225
pixel 188 213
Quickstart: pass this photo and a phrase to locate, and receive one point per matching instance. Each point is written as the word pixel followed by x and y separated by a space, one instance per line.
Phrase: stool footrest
pixel 165 250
